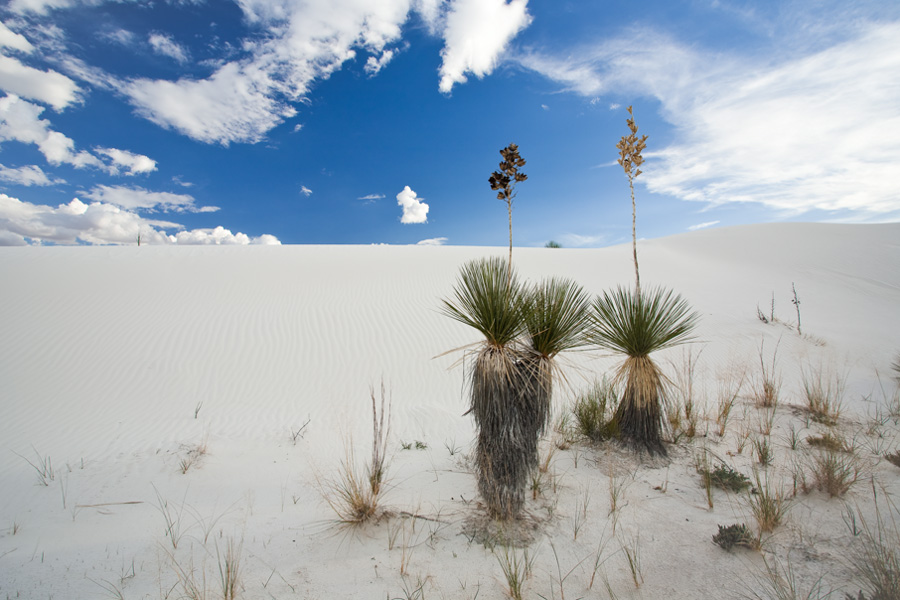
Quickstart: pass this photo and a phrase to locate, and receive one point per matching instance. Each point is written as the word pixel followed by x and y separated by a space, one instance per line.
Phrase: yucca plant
pixel 489 298
pixel 554 314
pixel 637 324
pixel 512 376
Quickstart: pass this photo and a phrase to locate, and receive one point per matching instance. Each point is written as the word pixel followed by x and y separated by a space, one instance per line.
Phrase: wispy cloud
pixel 414 209
pixel 133 164
pixel 702 225
pixel 136 198
pixel 803 131
pixel 305 191
pixel 165 45
pixel 438 241
pixel 371 198
pixel 20 121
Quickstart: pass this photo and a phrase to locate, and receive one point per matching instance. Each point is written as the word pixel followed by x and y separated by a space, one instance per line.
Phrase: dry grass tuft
pixel 876 555
pixel 767 387
pixel 768 504
pixel 824 392
pixel 835 472
pixel 355 495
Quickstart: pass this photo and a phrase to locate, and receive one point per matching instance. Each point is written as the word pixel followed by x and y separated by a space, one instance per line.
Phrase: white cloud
pixel 303 42
pixel 134 163
pixel 370 198
pixel 100 223
pixel 19 121
pixel 797 132
pixel 477 32
pixel 165 45
pixel 702 225
pixel 16 41
pixel 305 191
pixel 414 209
pixel 140 199
pixel 233 105
pixel 373 65
pixel 574 240
pixel 438 241
pixel 49 87
pixel 120 36
pixel 28 175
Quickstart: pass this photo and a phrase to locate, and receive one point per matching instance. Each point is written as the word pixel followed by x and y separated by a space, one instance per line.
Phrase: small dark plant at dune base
pixel 735 535
pixel 512 375
pixel 637 324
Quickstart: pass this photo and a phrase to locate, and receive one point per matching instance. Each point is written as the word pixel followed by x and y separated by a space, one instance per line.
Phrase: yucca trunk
pixel 640 416
pixel 511 407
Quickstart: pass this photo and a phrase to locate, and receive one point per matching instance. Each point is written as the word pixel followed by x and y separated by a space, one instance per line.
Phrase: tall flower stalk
pixel 630 148
pixel 504 183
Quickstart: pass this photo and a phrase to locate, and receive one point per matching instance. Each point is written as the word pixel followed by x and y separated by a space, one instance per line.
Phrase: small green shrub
pixel 728 479
pixel 594 412
pixel 735 535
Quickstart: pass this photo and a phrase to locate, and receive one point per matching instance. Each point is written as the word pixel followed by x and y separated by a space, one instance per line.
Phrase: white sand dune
pixel 108 353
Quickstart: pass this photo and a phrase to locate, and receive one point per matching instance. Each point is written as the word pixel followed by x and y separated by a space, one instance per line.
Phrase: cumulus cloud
pixel 136 198
pixel 48 87
pixel 477 32
pixel 28 175
pixel 132 163
pixel 165 45
pixel 305 191
pixel 373 65
pixel 414 209
pixel 809 130
pixel 20 121
pixel 100 223
pixel 438 241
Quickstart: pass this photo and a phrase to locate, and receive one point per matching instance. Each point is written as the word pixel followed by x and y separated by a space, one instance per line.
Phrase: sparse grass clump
pixel 768 383
pixel 824 393
pixel 355 495
pixel 768 504
pixel 835 472
pixel 876 555
pixel 735 535
pixel 594 412
pixel 829 441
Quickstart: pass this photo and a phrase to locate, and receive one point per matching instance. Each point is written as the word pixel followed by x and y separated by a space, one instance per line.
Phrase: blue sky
pixel 380 121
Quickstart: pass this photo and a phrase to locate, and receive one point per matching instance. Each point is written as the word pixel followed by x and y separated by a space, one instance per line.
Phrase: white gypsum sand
pixel 152 400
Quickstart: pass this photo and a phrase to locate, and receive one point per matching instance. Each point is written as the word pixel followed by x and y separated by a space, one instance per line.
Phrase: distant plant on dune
pixel 552 244
pixel 504 182
pixel 512 376
pixel 637 324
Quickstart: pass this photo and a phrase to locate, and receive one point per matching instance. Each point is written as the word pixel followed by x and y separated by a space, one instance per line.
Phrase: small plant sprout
pixel 197 408
pixel 42 466
pixel 516 567
pixel 229 562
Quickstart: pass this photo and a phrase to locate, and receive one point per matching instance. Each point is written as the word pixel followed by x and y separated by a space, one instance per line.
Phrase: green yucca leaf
pixel 555 314
pixel 488 299
pixel 638 324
